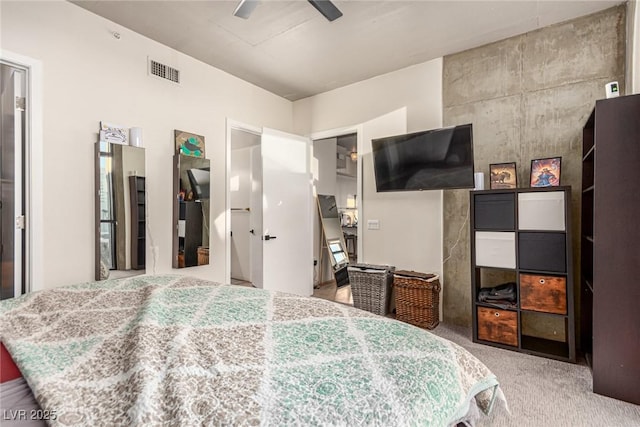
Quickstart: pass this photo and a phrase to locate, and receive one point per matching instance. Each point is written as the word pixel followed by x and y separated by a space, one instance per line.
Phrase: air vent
pixel 164 71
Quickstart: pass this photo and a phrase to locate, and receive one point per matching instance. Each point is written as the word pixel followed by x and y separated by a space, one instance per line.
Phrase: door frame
pixel 244 127
pixel 33 168
pixel 347 130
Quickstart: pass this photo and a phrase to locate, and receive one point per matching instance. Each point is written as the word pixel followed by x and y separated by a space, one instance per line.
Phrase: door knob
pixel 252 231
pixel 267 237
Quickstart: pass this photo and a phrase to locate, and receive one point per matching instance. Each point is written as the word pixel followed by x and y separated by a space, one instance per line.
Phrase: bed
pixel 176 350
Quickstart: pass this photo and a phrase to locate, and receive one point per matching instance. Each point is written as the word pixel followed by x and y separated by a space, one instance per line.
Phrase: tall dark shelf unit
pixel 610 246
pixel 138 222
pixel 524 235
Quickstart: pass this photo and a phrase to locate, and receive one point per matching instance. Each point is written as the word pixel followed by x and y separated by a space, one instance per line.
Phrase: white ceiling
pixel 290 49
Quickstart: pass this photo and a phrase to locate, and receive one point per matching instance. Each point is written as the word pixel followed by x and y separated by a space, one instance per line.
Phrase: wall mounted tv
pixel 429 160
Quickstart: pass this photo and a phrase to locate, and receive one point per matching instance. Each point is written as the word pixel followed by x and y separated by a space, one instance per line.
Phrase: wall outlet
pixel 373 224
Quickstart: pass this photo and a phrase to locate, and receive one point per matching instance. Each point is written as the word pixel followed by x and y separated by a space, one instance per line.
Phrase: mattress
pixel 154 350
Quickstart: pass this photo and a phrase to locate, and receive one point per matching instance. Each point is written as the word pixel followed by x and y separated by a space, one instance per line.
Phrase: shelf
pixel 542 248
pixel 544 347
pixel 589 284
pixel 487 305
pixel 588 189
pixel 589 153
pixel 544 313
pixel 543 272
pixel 589 239
pixel 345 175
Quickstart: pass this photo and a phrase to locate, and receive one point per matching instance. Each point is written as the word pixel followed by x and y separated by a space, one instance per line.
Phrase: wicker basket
pixel 371 286
pixel 203 255
pixel 417 297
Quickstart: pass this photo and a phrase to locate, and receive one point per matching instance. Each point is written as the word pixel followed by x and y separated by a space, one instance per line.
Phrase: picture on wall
pixel 189 144
pixel 545 172
pixel 503 175
pixel 114 134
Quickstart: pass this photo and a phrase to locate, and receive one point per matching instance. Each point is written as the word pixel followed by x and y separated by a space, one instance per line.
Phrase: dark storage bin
pixel 542 252
pixel 495 211
pixel 371 286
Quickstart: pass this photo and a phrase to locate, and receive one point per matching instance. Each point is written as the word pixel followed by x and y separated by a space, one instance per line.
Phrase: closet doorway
pixel 245 199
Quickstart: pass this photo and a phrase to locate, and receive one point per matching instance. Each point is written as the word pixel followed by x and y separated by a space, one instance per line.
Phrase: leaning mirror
pixel 191 211
pixel 120 211
pixel 333 239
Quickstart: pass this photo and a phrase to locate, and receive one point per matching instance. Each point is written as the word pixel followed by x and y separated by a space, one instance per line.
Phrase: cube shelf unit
pixel 138 222
pixel 610 247
pixel 523 235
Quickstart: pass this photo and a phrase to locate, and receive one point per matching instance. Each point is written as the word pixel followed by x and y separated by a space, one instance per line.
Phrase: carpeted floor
pixel 544 392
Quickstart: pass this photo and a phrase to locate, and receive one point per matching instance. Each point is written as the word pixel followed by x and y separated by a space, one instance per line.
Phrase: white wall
pixel 411 223
pixel 89 76
pixel 324 173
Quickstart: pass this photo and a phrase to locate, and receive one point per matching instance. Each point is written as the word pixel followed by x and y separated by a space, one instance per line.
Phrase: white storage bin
pixel 541 211
pixel 496 249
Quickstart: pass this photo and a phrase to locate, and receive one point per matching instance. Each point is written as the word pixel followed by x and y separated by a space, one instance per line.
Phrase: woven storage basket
pixel 417 297
pixel 371 286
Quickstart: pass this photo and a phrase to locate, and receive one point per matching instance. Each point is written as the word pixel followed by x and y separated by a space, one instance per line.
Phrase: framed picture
pixel 503 175
pixel 545 172
pixel 114 134
pixel 189 144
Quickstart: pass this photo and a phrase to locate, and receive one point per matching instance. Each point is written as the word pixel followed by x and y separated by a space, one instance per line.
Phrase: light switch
pixel 373 224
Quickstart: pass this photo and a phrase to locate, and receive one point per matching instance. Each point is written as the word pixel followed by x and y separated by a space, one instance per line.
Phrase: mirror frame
pixel 175 251
pixel 98 219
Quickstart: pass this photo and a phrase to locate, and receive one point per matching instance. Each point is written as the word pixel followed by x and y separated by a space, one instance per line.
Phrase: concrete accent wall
pixel 528 97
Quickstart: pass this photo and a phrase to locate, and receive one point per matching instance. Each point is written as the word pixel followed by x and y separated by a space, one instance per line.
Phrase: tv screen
pixel 429 160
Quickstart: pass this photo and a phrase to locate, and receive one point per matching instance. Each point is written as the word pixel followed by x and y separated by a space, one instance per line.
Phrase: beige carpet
pixel 544 392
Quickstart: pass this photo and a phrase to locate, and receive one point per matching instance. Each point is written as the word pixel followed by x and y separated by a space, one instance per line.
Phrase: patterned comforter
pixel 173 350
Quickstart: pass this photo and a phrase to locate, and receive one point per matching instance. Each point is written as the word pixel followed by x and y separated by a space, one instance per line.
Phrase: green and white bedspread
pixel 173 350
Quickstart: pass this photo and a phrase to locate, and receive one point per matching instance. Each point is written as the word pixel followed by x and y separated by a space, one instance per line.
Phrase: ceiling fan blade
pixel 328 9
pixel 245 7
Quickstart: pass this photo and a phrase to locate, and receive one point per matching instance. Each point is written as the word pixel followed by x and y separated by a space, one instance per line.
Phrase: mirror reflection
pixel 191 211
pixel 333 239
pixel 121 211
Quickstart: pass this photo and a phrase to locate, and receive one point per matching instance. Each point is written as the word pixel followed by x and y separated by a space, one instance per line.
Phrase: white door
pixel 286 200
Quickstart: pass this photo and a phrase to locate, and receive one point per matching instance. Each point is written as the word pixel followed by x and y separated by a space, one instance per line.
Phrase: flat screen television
pixel 428 160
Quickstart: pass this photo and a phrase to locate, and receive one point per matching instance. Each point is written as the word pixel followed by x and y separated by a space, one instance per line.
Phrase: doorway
pixel 337 175
pixel 13 90
pixel 279 211
pixel 245 196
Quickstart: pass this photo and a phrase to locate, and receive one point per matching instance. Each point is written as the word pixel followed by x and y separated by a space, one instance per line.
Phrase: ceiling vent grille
pixel 164 71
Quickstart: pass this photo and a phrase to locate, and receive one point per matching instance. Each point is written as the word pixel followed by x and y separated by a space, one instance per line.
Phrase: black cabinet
pixel 523 236
pixel 138 222
pixel 610 247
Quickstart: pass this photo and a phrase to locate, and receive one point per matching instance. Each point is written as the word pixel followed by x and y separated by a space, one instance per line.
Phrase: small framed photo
pixel 545 172
pixel 503 175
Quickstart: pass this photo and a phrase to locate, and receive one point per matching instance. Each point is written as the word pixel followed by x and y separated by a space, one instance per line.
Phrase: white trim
pixel 231 124
pixel 34 163
pixel 347 130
